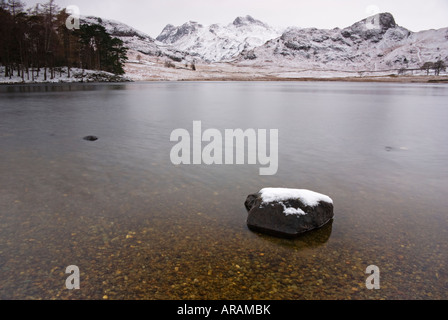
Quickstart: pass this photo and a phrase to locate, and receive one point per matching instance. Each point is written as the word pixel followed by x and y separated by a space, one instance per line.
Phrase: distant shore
pixel 103 77
pixel 153 69
pixel 394 79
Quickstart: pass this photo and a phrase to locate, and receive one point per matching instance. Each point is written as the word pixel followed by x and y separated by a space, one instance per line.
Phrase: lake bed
pixel 140 227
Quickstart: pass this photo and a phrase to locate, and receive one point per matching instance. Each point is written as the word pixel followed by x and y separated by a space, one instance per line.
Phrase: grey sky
pixel 151 16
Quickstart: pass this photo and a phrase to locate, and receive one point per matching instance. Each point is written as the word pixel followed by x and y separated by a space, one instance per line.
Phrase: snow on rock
pixel 288 212
pixel 309 198
pixel 292 211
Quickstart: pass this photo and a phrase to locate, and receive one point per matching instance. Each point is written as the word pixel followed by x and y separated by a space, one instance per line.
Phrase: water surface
pixel 139 227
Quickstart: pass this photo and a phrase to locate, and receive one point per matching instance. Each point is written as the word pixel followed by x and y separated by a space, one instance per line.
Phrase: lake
pixel 140 227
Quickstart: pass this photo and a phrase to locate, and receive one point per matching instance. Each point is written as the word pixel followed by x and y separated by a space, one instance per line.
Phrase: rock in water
pixel 91 138
pixel 288 213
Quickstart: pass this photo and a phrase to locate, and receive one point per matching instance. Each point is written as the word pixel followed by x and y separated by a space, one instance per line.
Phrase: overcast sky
pixel 151 16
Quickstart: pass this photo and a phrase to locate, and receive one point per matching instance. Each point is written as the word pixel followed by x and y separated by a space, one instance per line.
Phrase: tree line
pixel 36 40
pixel 436 66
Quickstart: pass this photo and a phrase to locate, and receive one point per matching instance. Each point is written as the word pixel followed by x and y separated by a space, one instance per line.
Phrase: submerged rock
pixel 90 138
pixel 288 213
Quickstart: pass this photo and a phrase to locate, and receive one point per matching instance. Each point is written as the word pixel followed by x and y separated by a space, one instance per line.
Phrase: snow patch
pixel 292 211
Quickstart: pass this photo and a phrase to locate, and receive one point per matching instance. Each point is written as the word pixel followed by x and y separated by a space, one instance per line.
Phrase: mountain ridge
pixel 218 42
pixel 376 44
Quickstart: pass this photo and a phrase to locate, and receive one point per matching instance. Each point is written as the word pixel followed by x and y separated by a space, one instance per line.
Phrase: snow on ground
pixel 150 68
pixel 61 76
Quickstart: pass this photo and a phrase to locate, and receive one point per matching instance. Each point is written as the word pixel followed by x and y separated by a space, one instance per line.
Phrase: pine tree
pixel 99 51
pixel 118 56
pixel 15 7
pixel 38 38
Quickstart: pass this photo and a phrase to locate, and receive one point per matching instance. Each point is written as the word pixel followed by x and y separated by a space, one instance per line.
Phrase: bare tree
pixel 169 64
pixel 427 66
pixel 439 66
pixel 402 71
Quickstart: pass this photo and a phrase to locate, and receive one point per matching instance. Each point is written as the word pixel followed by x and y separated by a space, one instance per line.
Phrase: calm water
pixel 139 227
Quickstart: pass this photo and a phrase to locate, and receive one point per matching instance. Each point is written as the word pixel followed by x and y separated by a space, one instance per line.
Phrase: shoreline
pixel 151 69
pixel 398 79
pixel 372 79
pixel 63 76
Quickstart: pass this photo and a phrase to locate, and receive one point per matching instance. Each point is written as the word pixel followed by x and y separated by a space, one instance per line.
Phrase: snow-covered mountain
pixel 218 42
pixel 136 40
pixel 249 48
pixel 373 44
pixel 133 39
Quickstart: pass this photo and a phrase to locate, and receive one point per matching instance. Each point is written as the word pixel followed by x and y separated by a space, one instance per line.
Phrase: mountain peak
pixel 171 34
pixel 372 28
pixel 383 21
pixel 247 20
pixel 219 42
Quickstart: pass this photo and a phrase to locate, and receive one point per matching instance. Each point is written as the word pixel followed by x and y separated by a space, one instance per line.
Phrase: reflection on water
pixel 313 239
pixel 62 87
pixel 140 228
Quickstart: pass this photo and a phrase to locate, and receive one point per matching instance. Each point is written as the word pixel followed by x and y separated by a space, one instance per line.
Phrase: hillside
pixel 372 45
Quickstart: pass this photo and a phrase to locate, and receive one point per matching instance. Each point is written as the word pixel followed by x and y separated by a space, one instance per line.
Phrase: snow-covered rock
pixel 288 212
pixel 218 42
